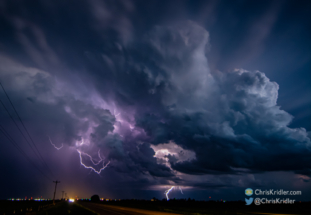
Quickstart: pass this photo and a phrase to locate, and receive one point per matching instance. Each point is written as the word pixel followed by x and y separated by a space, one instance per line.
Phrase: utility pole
pixel 56 182
pixel 63 195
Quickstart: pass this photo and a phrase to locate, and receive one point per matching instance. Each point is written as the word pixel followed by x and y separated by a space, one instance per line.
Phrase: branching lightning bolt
pixel 169 190
pixel 92 158
pixel 86 154
pixel 58 148
pixel 89 167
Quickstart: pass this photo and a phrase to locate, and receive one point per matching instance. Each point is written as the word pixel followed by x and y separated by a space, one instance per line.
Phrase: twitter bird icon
pixel 249 201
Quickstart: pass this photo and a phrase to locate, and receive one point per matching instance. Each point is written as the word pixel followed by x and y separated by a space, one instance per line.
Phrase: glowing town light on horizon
pixel 89 167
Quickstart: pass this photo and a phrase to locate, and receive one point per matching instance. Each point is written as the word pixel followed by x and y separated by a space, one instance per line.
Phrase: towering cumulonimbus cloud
pixel 229 119
pixel 153 107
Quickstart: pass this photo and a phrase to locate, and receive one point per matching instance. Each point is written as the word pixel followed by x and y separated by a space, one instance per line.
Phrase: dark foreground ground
pixel 42 208
pixel 21 207
pixel 149 208
pixel 104 209
pixel 204 208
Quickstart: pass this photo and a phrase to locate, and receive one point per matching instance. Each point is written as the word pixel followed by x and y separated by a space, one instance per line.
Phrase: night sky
pixel 209 96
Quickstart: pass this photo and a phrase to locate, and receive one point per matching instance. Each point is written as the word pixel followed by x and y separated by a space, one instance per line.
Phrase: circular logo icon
pixel 257 201
pixel 248 192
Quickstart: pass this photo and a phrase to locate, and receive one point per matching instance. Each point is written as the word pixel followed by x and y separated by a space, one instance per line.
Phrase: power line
pixel 7 135
pixel 56 182
pixel 18 128
pixel 25 129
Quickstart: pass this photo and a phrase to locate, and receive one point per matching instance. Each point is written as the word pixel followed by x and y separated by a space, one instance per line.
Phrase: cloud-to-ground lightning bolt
pixel 58 148
pixel 169 190
pixel 89 167
pixel 181 190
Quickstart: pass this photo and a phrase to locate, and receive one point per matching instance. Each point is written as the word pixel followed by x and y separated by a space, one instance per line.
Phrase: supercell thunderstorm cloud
pixel 134 99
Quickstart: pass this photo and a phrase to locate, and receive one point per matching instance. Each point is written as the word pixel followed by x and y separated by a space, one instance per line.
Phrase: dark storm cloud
pixel 238 125
pixel 147 94
pixel 62 110
pixel 70 119
pixel 230 120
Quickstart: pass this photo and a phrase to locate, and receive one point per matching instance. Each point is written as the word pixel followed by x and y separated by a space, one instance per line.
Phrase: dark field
pixel 41 208
pixel 21 207
pixel 212 207
pixel 172 206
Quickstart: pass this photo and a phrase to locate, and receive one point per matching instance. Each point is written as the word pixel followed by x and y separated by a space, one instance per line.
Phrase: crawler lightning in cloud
pixel 114 113
pixel 169 190
pixel 80 144
pixel 58 148
pixel 89 167
pixel 86 154
pixel 91 159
